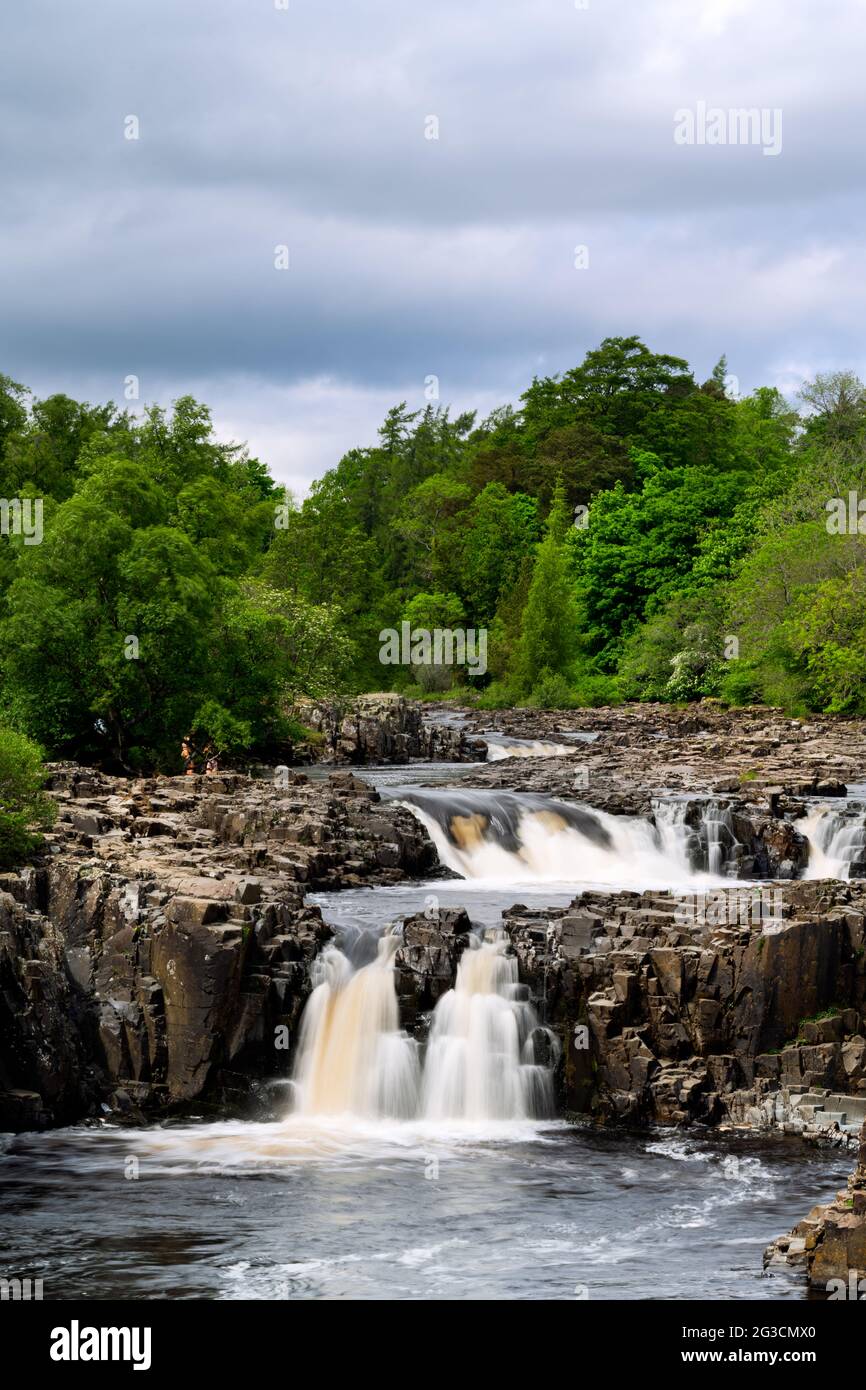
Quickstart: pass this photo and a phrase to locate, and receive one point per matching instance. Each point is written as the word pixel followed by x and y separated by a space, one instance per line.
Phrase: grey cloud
pixel 409 256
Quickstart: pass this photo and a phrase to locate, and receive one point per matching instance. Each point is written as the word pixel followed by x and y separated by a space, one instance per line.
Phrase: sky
pixel 430 170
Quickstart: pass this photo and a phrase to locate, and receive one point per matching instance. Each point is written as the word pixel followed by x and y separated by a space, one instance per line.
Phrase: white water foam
pixel 480 1064
pixel 541 846
pixel 500 747
pixel 837 839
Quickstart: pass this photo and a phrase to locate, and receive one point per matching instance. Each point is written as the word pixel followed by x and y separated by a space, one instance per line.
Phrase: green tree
pixel 24 806
pixel 550 633
pixel 428 612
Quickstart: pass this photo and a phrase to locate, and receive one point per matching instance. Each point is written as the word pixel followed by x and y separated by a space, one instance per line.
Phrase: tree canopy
pixel 624 531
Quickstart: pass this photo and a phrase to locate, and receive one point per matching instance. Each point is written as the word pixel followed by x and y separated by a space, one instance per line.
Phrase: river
pixel 446 1186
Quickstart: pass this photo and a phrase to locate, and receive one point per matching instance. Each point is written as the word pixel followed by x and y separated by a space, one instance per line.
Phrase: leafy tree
pixel 500 530
pixel 13 418
pixel 427 612
pixel 550 633
pixel 24 806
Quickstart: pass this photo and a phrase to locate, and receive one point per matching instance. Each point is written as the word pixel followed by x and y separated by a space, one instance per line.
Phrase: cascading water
pixel 480 1065
pixel 487 1056
pixel 510 837
pixel 717 832
pixel 352 1055
pixel 837 841
pixel 500 747
pixel 675 835
pixel 480 1062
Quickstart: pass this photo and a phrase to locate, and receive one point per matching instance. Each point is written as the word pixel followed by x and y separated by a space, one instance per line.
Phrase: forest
pixel 624 533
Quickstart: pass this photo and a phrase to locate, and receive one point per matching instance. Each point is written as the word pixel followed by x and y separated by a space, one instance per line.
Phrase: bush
pixel 551 691
pixel 696 668
pixel 591 689
pixel 24 806
pixel 742 685
pixel 216 728
pixel 498 695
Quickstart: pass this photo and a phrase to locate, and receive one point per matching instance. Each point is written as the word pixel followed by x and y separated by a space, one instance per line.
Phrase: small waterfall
pixel 485 1056
pixel 508 837
pixel 481 1058
pixel 717 833
pixel 675 835
pixel 352 1055
pixel 499 747
pixel 837 841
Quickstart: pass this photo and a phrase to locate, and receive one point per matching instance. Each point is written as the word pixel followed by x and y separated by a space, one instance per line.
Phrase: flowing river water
pixel 394 1175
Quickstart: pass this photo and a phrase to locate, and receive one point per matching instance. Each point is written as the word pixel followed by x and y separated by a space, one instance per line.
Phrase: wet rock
pixel 426 962
pixel 781 1001
pixel 829 1245
pixel 139 973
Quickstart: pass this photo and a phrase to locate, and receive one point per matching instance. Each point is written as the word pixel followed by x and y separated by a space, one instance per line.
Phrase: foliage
pixel 624 531
pixel 24 806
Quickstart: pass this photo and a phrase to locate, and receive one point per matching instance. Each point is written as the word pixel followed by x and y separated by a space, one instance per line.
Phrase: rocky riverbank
pixel 158 954
pixel 671 1010
pixel 829 1245
pixel 383 728
pixel 620 758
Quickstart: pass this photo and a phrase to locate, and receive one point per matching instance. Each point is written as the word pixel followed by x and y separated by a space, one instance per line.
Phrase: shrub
pixel 216 727
pixel 498 695
pixel 24 806
pixel 590 689
pixel 551 691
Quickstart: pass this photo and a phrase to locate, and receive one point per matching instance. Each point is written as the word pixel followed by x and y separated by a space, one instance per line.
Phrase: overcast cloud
pixel 412 257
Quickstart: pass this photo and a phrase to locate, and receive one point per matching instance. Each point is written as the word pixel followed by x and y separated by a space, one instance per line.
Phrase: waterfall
pixel 499 747
pixel 352 1055
pixel 837 840
pixel 718 835
pixel 675 835
pixel 512 838
pixel 481 1062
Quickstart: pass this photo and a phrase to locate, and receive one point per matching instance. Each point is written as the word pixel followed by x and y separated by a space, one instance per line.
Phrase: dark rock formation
pixel 829 1244
pixel 384 728
pixel 426 963
pixel 697 1008
pixel 159 953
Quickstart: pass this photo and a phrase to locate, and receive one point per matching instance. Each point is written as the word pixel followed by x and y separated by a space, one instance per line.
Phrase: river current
pixel 451 1183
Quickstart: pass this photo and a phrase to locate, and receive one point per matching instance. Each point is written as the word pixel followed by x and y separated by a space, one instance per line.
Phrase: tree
pixel 426 521
pixel 13 417
pixel 426 613
pixel 836 402
pixel 499 530
pixel 550 635
pixel 24 806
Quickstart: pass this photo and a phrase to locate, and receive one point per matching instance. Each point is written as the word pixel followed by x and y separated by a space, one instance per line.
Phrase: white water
pixel 836 841
pixel 352 1055
pixel 480 1062
pixel 626 851
pixel 673 832
pixel 485 1057
pixel 717 824
pixel 480 1066
pixel 500 747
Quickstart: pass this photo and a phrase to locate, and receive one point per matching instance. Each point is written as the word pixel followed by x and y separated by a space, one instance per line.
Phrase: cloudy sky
pixel 410 257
